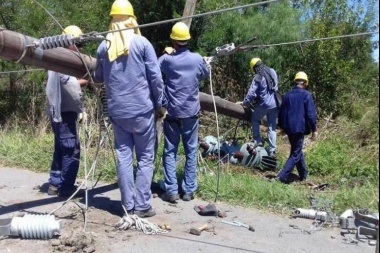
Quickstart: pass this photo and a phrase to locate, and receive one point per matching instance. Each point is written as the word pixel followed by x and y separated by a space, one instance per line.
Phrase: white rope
pixel 133 221
pixel 208 60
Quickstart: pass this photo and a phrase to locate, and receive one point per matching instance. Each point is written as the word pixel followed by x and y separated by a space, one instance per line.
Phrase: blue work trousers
pixel 272 115
pixel 296 159
pixel 174 129
pixel 65 164
pixel 137 133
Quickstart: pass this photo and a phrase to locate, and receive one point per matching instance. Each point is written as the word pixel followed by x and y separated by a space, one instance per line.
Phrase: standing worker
pixel 129 68
pixel 261 98
pixel 64 96
pixel 297 118
pixel 183 70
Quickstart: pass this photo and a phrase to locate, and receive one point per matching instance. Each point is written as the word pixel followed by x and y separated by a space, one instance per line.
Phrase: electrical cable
pixel 188 17
pixel 308 40
pixel 21 71
pixel 218 134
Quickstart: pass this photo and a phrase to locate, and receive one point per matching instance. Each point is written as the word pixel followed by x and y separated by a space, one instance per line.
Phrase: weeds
pixel 338 158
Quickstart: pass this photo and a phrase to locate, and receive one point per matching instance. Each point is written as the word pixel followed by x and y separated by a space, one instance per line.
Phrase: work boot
pixel 145 213
pixel 188 197
pixel 69 193
pixel 52 190
pixel 171 198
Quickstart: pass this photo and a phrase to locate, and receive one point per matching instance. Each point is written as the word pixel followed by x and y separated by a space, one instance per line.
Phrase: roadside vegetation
pixel 344 80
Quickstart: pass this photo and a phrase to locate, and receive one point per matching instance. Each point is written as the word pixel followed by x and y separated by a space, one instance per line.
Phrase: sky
pixel 376 38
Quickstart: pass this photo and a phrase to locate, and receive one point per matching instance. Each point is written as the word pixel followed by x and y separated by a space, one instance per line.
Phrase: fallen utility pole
pixel 19 48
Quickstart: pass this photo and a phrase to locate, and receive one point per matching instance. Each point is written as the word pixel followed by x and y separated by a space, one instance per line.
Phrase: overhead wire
pixel 20 71
pixel 309 40
pixel 188 17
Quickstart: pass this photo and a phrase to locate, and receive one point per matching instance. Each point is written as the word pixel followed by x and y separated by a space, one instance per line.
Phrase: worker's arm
pixel 98 75
pixel 251 95
pixel 205 69
pixel 154 76
pixel 311 113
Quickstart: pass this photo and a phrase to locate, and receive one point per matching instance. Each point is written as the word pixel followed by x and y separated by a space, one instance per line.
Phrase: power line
pixel 21 71
pixel 308 40
pixel 193 16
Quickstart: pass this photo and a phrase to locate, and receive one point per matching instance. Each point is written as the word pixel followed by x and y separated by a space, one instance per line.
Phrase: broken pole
pixel 16 47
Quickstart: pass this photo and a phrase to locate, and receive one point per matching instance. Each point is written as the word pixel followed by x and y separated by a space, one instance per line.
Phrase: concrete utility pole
pixel 189 11
pixel 17 47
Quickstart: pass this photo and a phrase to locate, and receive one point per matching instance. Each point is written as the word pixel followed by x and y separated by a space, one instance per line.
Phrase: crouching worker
pixel 64 96
pixel 129 68
pixel 297 118
pixel 182 70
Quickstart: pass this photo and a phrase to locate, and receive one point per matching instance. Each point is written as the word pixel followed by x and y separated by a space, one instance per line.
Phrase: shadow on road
pixel 97 202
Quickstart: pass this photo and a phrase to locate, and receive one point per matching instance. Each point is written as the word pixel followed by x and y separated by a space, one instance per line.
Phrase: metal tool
pixel 239 224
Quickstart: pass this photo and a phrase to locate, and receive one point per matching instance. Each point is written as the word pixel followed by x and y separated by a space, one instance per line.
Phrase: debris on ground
pixel 210 210
pixel 240 224
pixel 77 242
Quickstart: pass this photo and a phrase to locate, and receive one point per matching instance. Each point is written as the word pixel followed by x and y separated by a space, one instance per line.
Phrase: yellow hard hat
pixel 73 30
pixel 122 8
pixel 301 76
pixel 254 61
pixel 180 32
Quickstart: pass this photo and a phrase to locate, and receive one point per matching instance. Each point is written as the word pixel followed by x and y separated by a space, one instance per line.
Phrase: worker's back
pixel 182 72
pixel 131 80
pixel 297 114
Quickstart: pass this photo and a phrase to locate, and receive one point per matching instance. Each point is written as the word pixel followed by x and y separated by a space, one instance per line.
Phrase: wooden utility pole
pixel 16 47
pixel 189 11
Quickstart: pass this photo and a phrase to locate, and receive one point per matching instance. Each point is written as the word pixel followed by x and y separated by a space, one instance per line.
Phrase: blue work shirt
pixel 183 70
pixel 260 94
pixel 298 113
pixel 134 84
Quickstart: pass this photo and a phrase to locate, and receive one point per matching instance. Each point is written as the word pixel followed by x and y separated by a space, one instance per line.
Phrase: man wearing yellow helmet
pixel 183 71
pixel 261 97
pixel 297 118
pixel 129 68
pixel 64 96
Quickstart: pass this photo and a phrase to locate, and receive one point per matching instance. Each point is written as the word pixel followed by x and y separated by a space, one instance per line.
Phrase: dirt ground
pixel 19 192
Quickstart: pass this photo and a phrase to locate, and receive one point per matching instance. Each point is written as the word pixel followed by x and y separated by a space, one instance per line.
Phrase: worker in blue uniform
pixel 261 98
pixel 129 68
pixel 297 118
pixel 65 103
pixel 183 70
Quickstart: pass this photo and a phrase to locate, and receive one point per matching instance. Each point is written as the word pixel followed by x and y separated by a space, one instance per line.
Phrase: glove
pixel 161 114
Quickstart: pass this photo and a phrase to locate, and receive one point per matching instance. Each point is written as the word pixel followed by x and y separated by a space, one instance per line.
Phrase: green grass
pixel 353 183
